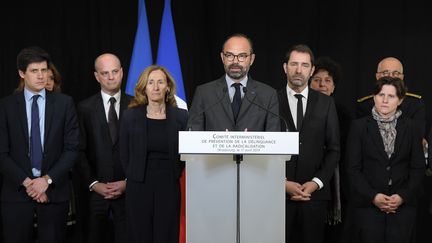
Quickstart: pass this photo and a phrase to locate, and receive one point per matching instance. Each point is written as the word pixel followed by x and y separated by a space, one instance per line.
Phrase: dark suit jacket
pixel 319 147
pixel 60 146
pixel 133 140
pixel 211 108
pixel 100 159
pixel 370 169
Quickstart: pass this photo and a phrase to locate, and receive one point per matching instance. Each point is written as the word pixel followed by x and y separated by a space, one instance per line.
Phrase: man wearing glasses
pixel 412 105
pixel 235 101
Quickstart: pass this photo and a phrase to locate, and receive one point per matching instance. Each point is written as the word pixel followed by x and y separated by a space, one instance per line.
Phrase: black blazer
pixel 133 140
pixel 211 108
pixel 60 146
pixel 100 159
pixel 319 147
pixel 370 169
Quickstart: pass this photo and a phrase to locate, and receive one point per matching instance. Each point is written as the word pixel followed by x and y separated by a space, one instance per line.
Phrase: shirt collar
pixel 106 97
pixel 29 94
pixel 291 92
pixel 230 81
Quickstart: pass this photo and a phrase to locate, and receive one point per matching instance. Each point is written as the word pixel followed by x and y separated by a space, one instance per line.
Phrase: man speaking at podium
pixel 235 102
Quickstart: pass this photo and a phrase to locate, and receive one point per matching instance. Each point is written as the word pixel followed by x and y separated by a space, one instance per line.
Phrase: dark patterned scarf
pixel 387 128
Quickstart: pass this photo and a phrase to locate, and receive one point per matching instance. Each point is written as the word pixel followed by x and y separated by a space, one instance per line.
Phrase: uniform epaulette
pixel 364 98
pixel 414 95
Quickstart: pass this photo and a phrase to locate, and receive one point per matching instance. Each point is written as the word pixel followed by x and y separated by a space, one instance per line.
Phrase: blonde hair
pixel 140 95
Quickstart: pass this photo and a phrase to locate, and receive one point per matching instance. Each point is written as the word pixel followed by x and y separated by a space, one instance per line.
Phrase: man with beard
pixel 235 101
pixel 314 116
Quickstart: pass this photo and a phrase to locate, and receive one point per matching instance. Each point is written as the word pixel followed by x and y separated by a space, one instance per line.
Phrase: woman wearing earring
pixel 149 154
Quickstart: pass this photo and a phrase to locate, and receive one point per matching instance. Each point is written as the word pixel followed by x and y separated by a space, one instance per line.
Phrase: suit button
pixel 388 168
pixel 390 182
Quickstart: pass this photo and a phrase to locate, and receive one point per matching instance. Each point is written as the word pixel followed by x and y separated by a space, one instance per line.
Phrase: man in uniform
pixel 412 105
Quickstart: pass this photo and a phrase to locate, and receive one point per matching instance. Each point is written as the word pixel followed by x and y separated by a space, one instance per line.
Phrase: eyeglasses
pixel 391 74
pixel 240 57
pixel 106 74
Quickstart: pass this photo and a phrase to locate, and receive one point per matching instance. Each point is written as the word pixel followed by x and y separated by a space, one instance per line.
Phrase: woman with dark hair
pixel 326 76
pixel 149 154
pixel 385 167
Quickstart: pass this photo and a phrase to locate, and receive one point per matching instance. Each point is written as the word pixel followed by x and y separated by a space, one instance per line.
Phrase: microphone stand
pixel 238 158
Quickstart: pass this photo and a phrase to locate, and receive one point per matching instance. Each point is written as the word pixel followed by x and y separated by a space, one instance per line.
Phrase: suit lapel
pixel 226 102
pixel 251 95
pixel 310 106
pixel 376 136
pixel 124 102
pixel 400 135
pixel 23 115
pixel 49 111
pixel 101 117
pixel 285 110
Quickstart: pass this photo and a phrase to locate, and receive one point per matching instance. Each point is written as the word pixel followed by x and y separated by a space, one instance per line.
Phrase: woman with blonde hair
pixel 149 154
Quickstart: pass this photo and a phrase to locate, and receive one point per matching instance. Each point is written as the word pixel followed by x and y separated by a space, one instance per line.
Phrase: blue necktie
pixel 35 139
pixel 236 103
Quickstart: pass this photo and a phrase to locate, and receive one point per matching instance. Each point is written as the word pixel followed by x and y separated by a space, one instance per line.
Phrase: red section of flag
pixel 183 208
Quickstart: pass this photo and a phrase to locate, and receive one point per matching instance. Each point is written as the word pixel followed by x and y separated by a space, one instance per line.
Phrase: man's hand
pixel 117 188
pixel 310 187
pixel 295 190
pixel 101 189
pixel 110 190
pixel 37 187
pixel 42 198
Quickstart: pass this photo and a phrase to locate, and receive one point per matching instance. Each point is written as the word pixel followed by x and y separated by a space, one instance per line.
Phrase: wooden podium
pixel 236 202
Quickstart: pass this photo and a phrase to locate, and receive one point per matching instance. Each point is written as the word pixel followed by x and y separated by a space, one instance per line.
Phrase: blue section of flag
pixel 141 55
pixel 167 51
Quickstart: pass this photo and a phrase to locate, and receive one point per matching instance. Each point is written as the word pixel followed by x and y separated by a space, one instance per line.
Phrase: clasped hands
pixel 110 190
pixel 387 204
pixel 300 192
pixel 36 189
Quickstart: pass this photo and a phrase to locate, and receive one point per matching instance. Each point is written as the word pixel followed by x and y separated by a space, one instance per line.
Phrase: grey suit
pixel 211 108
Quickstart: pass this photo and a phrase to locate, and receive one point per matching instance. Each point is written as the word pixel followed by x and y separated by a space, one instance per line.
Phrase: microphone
pixel 245 90
pixel 224 91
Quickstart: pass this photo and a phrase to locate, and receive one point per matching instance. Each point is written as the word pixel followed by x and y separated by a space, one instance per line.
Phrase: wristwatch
pixel 48 179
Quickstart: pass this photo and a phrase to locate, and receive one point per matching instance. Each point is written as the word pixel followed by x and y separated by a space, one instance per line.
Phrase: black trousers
pixel 153 208
pixel 376 226
pixel 107 220
pixel 18 221
pixel 305 221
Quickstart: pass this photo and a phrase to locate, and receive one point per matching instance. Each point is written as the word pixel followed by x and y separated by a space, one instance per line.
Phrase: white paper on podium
pixel 194 142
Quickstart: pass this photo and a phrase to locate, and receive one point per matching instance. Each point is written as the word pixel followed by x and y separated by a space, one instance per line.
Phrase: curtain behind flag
pixel 141 55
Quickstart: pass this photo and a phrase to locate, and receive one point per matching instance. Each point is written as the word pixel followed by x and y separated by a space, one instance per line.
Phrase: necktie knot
pixel 236 85
pixel 35 97
pixel 299 96
pixel 112 100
